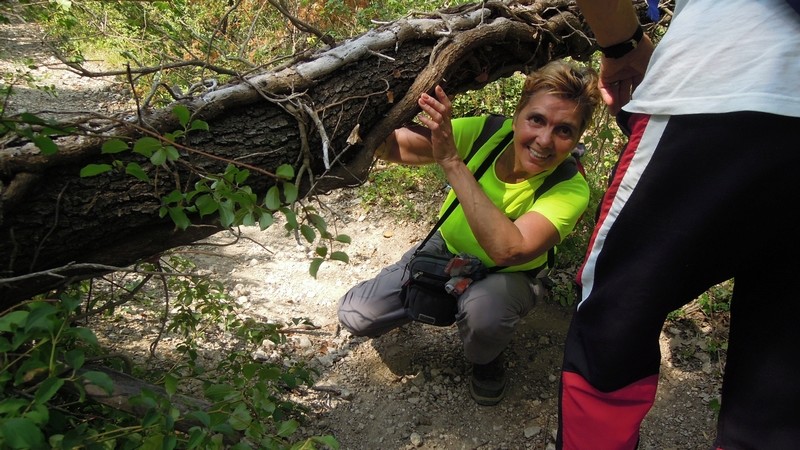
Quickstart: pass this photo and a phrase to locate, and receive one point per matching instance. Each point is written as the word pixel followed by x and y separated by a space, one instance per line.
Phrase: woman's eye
pixel 565 132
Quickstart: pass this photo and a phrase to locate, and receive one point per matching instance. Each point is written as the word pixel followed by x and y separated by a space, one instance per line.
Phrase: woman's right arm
pixel 408 145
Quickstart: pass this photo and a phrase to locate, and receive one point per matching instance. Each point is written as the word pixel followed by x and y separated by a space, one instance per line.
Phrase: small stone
pixel 532 431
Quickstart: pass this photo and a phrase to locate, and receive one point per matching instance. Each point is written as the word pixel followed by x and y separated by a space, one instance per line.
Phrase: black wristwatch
pixel 624 47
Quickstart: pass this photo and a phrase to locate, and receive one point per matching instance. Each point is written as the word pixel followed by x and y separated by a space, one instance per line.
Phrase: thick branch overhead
pixel 343 100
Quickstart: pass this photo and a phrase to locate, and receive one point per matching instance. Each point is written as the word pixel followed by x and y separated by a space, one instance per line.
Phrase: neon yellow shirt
pixel 562 204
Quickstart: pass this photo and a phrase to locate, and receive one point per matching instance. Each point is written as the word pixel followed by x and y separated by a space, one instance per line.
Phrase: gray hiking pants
pixel 488 311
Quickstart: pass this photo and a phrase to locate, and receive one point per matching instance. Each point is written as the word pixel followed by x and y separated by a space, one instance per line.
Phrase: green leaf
pixel 240 418
pixel 343 238
pixel 182 113
pixel 47 390
pixel 287 428
pixel 248 219
pixel 250 370
pixel 45 144
pixel 114 146
pixel 100 379
pixel 84 334
pixel 13 320
pixel 172 153
pixel 31 119
pixel 5 347
pixel 146 146
pixel 321 251
pixel 94 169
pixel 241 176
pixel 265 221
pixel 200 416
pixel 272 200
pixel 328 440
pixel 317 221
pixel 291 218
pixel 50 131
pixel 285 171
pixel 340 256
pixel 39 414
pixel 314 267
pixel 174 197
pixel 22 433
pixel 199 125
pixel 178 215
pixel 40 317
pixel 152 442
pixel 75 358
pixel 196 436
pixel 308 233
pixel 290 192
pixel 159 157
pixel 218 392
pixel 170 384
pixel 169 442
pixel 206 204
pixel 226 213
pixel 137 171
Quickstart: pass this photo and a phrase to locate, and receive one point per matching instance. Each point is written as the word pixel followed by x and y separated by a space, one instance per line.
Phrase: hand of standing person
pixel 614 22
pixel 620 76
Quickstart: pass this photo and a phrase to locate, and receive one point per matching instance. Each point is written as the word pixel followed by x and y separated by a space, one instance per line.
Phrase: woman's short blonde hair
pixel 567 80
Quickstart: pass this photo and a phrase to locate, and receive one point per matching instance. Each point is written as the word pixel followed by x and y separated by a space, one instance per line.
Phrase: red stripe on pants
pixel 593 420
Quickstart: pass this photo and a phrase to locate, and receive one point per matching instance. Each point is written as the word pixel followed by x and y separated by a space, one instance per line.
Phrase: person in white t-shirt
pixel 702 193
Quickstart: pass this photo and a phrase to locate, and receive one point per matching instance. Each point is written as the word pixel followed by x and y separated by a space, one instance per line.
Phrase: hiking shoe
pixel 488 382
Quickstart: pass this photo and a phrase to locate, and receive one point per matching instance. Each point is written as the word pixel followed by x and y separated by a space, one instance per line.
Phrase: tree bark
pixel 53 222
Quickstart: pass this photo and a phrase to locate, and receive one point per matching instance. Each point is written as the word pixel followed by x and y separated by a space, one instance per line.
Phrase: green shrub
pixel 45 373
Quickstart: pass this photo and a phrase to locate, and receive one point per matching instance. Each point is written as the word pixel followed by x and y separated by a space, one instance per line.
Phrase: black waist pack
pixel 424 294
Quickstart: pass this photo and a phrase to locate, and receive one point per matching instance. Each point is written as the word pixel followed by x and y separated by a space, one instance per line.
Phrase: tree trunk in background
pixel 359 90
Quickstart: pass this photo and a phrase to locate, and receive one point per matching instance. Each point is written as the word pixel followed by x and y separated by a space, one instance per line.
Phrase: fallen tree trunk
pixel 323 116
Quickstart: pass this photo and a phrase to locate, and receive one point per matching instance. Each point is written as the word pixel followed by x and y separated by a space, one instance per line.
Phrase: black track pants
pixel 695 200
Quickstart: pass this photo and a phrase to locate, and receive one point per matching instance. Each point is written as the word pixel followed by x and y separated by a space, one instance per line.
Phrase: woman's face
pixel 545 132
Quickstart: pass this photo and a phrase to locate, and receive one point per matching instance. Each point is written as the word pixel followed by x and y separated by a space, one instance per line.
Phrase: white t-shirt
pixel 724 56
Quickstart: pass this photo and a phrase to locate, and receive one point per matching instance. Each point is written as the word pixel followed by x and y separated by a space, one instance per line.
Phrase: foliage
pixel 406 192
pixel 238 36
pixel 45 372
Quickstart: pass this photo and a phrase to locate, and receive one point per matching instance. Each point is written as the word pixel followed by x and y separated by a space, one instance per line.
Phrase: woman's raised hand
pixel 436 116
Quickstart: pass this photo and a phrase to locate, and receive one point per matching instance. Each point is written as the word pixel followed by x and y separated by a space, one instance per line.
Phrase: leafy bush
pixel 46 376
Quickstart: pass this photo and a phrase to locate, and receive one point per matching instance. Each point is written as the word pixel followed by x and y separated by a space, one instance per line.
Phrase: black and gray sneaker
pixel 488 382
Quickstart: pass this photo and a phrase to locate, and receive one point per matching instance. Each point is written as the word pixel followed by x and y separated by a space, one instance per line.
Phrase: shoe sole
pixel 487 401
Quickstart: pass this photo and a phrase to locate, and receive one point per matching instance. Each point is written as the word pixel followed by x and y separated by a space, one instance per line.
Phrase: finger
pixel 442 96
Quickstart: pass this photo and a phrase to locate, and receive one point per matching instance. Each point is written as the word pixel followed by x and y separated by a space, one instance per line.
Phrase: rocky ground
pixel 407 389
